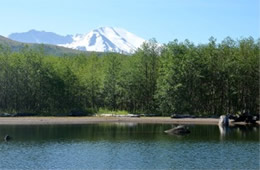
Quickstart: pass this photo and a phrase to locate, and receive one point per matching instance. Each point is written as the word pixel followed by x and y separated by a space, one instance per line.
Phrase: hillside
pixel 48 49
pixel 41 37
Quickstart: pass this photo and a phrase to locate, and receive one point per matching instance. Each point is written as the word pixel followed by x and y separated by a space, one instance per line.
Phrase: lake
pixel 128 146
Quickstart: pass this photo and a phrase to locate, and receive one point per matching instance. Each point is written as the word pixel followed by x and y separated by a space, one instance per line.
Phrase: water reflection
pixel 128 146
pixel 238 131
pixel 90 132
pixel 126 131
pixel 223 131
pixel 129 124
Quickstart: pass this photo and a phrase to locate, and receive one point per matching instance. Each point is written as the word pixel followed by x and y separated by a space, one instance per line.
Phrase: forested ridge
pixel 178 77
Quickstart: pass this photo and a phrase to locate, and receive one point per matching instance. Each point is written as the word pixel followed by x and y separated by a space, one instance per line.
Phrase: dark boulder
pixel 5 115
pixel 7 138
pixel 179 130
pixel 232 116
pixel 246 118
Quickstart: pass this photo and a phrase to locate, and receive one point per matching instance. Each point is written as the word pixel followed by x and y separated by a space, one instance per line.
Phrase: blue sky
pixel 164 20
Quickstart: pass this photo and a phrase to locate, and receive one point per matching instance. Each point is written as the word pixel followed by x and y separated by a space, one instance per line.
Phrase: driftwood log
pixel 179 130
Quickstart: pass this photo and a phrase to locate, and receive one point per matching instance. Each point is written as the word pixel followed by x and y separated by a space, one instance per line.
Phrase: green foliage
pixel 210 78
pixel 114 112
pixel 179 77
pixel 112 81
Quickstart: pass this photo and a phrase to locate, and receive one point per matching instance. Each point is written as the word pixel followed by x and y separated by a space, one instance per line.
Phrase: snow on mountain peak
pixel 106 39
pixel 102 39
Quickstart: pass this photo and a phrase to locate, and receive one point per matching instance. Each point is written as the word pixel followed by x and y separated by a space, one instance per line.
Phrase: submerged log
pixel 179 130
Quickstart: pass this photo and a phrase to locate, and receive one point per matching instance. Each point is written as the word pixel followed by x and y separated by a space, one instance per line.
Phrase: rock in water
pixel 7 138
pixel 223 120
pixel 179 130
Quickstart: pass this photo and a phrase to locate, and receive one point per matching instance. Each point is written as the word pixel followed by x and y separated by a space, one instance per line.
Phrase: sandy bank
pixel 91 120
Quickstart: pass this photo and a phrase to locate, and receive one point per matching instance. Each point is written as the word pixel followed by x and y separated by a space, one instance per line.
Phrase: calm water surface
pixel 128 146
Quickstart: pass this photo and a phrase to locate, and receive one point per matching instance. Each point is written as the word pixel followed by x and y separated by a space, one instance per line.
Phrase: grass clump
pixel 113 112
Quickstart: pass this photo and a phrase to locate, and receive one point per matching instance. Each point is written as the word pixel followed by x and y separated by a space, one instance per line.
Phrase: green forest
pixel 174 78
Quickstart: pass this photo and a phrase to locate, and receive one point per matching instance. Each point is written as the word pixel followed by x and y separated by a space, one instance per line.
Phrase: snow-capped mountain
pixel 104 39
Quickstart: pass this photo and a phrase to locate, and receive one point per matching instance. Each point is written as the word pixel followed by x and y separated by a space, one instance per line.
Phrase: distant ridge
pixel 34 36
pixel 16 46
pixel 103 39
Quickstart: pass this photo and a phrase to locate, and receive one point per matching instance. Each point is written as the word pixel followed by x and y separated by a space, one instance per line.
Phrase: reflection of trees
pixel 242 130
pixel 238 131
pixel 90 132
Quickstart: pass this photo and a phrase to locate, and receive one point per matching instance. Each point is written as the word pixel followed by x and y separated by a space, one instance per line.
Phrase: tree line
pixel 178 77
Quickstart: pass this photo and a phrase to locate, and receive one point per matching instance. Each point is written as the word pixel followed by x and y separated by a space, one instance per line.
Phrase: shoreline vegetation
pixel 181 78
pixel 110 119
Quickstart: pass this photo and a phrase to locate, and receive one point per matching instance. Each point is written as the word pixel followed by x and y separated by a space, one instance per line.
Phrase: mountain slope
pixel 48 49
pixel 34 36
pixel 104 39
